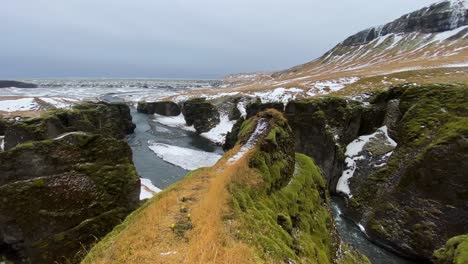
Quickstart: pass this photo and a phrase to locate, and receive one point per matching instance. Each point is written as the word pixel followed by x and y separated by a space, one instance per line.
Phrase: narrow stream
pixel 352 234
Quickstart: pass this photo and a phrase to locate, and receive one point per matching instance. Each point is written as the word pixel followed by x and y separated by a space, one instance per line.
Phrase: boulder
pixel 165 108
pixel 200 113
pixel 7 84
pixel 59 196
pixel 99 118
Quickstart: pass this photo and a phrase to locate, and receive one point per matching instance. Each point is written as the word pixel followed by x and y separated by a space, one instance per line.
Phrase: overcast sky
pixel 177 38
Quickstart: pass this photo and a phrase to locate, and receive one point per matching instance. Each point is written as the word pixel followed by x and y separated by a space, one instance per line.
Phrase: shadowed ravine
pixel 163 174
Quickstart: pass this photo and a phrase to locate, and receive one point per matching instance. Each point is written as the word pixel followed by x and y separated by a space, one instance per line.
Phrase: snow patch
pixel 70 133
pixel 353 151
pixel 147 190
pixel 188 159
pixel 283 95
pixel 448 34
pixel 218 133
pixel 23 104
pixel 168 253
pixel 58 102
pixel 262 125
pixel 2 143
pixel 325 87
pixel 174 121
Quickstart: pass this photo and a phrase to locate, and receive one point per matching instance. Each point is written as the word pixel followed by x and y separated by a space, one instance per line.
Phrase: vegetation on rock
pixel 246 209
pixel 418 200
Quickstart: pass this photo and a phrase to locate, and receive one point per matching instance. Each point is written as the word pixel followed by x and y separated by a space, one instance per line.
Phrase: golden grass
pixel 211 239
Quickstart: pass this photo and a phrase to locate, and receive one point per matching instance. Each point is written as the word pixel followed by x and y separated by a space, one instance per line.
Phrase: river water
pixel 163 174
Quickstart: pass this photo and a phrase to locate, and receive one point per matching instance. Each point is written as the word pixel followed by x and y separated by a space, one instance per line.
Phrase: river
pixel 162 174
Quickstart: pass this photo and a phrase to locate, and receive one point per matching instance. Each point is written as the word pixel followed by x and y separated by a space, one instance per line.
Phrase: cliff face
pixel 418 200
pixel 439 17
pixel 60 195
pixel 99 118
pixel 260 203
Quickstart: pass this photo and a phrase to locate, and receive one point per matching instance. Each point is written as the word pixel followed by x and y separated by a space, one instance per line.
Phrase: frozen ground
pixel 189 159
pixel 147 190
pixel 354 153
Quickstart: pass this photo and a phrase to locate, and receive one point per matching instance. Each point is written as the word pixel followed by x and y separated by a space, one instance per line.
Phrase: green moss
pixel 291 222
pixel 454 252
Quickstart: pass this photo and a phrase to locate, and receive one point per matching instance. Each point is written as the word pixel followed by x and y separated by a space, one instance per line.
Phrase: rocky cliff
pixel 99 118
pixel 439 17
pixel 260 203
pixel 60 193
pixel 418 200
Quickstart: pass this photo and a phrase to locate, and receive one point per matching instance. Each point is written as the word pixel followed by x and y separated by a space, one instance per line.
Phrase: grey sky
pixel 177 38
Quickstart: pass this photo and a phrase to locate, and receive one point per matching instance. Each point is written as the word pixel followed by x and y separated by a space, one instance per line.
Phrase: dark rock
pixel 419 200
pixel 99 118
pixel 3 125
pixel 438 17
pixel 165 108
pixel 232 136
pixel 234 113
pixel 7 84
pixel 257 107
pixel 322 127
pixel 200 113
pixel 59 196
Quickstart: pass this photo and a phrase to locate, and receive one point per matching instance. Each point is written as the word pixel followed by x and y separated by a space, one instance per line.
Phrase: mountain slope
pixel 432 37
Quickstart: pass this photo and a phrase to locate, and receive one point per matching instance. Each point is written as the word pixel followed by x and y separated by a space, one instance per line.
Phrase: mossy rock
pixel 455 251
pixel 100 118
pixel 59 196
pixel 200 113
pixel 425 179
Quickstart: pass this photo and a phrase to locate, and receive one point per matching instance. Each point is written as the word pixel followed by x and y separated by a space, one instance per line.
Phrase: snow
pixel 168 253
pixel 280 94
pixel 218 133
pixel 353 151
pixel 185 158
pixel 147 190
pixel 70 133
pixel 242 108
pixel 327 86
pixel 58 102
pixel 456 65
pixel 2 143
pixel 262 125
pixel 23 104
pixel 174 121
pixel 448 34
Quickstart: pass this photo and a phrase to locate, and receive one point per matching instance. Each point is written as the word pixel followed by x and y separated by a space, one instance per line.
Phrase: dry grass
pixel 211 239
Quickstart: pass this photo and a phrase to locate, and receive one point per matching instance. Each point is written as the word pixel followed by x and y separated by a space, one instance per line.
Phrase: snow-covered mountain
pixel 432 37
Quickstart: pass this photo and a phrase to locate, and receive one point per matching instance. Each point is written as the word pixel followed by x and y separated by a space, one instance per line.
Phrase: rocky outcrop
pixel 99 118
pixel 59 196
pixel 232 136
pixel 257 107
pixel 439 17
pixel 322 126
pixel 455 251
pixel 200 113
pixel 165 108
pixel 419 200
pixel 287 197
pixel 7 84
